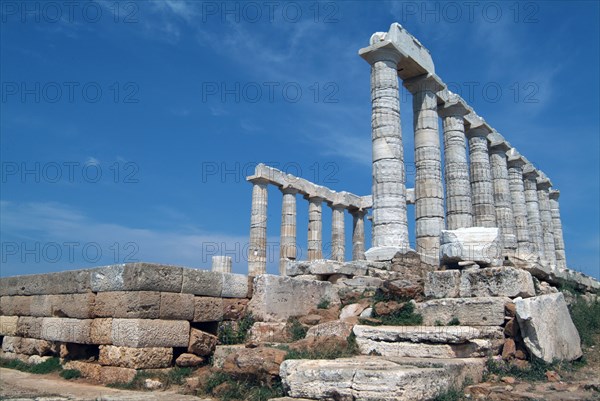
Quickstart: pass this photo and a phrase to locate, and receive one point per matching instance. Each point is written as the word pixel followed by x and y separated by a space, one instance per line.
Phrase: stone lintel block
pixel 235 286
pixel 479 311
pixel 8 325
pixel 66 330
pixel 469 349
pixel 277 298
pixel 128 304
pixel 208 309
pixel 139 333
pixel 28 326
pixel 65 282
pixel 442 284
pixel 428 334
pixel 101 331
pixel 325 267
pixel 176 306
pixel 135 358
pixel 102 374
pixel 496 282
pixel 137 277
pixel 202 282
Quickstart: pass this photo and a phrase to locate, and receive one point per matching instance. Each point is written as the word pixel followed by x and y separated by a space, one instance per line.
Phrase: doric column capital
pixel 481 131
pixel 554 194
pixel 529 171
pixel 543 183
pixel 498 143
pixel 381 51
pixel 314 198
pixel 424 83
pixel 289 190
pixel 257 180
pixel 514 158
pixel 453 109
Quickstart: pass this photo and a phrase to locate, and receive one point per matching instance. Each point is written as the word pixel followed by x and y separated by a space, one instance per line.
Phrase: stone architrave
pixel 543 188
pixel 287 243
pixel 257 250
pixel 429 192
pixel 459 205
pixel 559 243
pixel 390 224
pixel 515 164
pixel 484 213
pixel 502 197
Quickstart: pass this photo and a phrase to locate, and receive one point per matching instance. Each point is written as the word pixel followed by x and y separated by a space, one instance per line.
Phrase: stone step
pixel 429 341
pixel 476 311
pixel 369 378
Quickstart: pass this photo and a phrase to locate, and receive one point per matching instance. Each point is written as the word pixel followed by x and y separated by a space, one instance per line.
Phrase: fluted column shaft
pixel 559 244
pixel 338 235
pixel 257 249
pixel 315 228
pixel 502 198
pixel 358 235
pixel 533 211
pixel 390 227
pixel 484 214
pixel 287 243
pixel 519 207
pixel 543 187
pixel 459 208
pixel 429 192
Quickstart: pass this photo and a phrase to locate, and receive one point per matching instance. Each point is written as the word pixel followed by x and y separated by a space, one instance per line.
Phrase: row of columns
pixel 257 251
pixel 491 190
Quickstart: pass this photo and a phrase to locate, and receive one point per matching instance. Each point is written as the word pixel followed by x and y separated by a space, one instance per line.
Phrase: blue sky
pixel 128 128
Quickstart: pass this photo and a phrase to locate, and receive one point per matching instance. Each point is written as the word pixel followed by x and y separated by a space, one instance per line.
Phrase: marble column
pixel 338 234
pixel 315 228
pixel 484 214
pixel 221 264
pixel 287 242
pixel 459 207
pixel 502 197
pixel 429 192
pixel 543 192
pixel 536 243
pixel 390 226
pixel 559 243
pixel 358 234
pixel 257 249
pixel 515 164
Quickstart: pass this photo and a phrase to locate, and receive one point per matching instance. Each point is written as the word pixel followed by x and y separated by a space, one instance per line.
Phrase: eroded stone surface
pixel 496 282
pixel 483 311
pixel 135 358
pixel 478 244
pixel 442 284
pixel 139 333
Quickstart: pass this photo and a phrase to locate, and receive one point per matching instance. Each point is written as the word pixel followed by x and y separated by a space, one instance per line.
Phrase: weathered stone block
pixel 29 327
pixel 66 330
pixel 138 333
pixel 208 309
pixel 265 332
pixel 442 284
pixel 222 351
pixel 135 358
pixel 8 325
pixel 78 306
pixel 66 282
pixel 15 305
pixel 128 304
pixel 137 277
pixel 469 349
pixel 202 282
pixel 235 286
pixel 277 298
pixel 325 268
pixel 26 346
pixel 201 343
pixel 102 374
pixel 101 331
pixel 547 328
pixel 176 306
pixel 485 311
pixel 335 328
pixel 496 282
pixel 428 334
pixel 234 308
pixel 41 305
pixel 478 244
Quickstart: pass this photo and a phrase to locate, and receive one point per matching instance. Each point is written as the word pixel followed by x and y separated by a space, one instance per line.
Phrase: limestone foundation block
pixel 29 327
pixel 15 305
pixel 547 328
pixel 135 358
pixel 202 282
pixel 128 304
pixel 265 332
pixel 278 298
pixel 235 286
pixel 428 334
pixel 41 305
pixel 77 306
pixel 470 349
pixel 137 277
pixel 478 244
pixel 66 282
pixel 442 284
pixel 26 346
pixel 102 374
pixel 176 306
pixel 234 308
pixel 66 330
pixel 208 309
pixel 201 343
pixel 496 282
pixel 221 353
pixel 485 311
pixel 139 333
pixel 101 331
pixel 8 325
pixel 326 268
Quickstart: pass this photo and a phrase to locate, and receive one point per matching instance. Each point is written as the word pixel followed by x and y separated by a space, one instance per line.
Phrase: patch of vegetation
pixel 227 387
pixel 454 322
pixel 535 372
pixel 404 316
pixel 385 296
pixel 438 323
pixel 296 329
pixel 70 374
pixel 332 351
pixel 569 286
pixel 452 394
pixel 235 332
pixel 48 366
pixel 324 304
pixel 586 317
pixel 174 376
